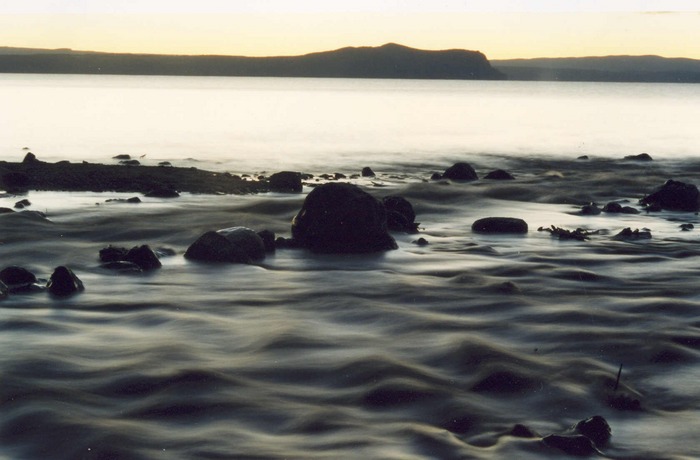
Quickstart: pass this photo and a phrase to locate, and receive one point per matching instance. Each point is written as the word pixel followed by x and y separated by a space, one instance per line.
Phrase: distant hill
pixel 388 61
pixel 607 68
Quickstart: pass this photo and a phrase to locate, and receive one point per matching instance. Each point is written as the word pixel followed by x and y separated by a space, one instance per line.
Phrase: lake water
pixel 271 123
pixel 424 352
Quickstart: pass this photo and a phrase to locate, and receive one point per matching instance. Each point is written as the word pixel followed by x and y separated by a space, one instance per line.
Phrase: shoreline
pixel 64 176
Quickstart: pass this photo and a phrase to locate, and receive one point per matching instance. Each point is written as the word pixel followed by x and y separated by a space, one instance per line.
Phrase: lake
pixel 473 346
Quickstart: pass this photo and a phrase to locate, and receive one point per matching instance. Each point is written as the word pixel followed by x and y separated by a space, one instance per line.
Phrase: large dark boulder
pixel 460 171
pixel 64 282
pixel 674 196
pixel 500 225
pixel 400 215
pixel 286 182
pixel 342 218
pixel 233 245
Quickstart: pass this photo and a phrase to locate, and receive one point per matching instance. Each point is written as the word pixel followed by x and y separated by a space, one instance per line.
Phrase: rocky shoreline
pixel 33 174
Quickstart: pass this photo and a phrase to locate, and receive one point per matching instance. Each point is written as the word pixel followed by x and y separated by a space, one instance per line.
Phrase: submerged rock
pixel 232 245
pixel 286 182
pixel 674 196
pixel 460 171
pixel 500 225
pixel 499 174
pixel 342 218
pixel 639 157
pixel 64 282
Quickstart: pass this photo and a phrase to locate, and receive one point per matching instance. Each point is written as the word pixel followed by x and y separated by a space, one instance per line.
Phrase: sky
pixel 501 29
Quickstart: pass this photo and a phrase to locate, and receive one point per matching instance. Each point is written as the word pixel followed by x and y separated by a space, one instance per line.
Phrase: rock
pixel 367 172
pixel 420 242
pixel 460 171
pixel 578 445
pixel 629 210
pixel 687 227
pixel 143 256
pixel 596 429
pixel 130 162
pixel 674 196
pixel 29 158
pixel 563 234
pixel 500 225
pixel 233 245
pixel 338 176
pixel 64 282
pixel 640 157
pixel 436 176
pixel 590 209
pixel 17 278
pixel 165 163
pixel 612 207
pixel 268 238
pixel 342 218
pixel 400 215
pixel 286 182
pixel 22 204
pixel 523 431
pixel 499 174
pixel 123 156
pixel 162 192
pixel 628 235
pixel 113 254
pixel 583 157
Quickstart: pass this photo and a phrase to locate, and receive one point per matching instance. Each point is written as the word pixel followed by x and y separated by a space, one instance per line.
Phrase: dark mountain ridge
pixel 387 61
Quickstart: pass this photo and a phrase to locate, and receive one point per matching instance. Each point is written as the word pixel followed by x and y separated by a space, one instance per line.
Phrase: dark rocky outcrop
pixel 123 156
pixel 17 279
pixel 286 182
pixel 342 218
pixel 232 245
pixel 21 204
pixel 590 209
pixel 674 196
pixel 499 174
pixel 460 172
pixel 627 234
pixel 400 215
pixel 112 254
pixel 500 225
pixel 64 282
pixel 15 181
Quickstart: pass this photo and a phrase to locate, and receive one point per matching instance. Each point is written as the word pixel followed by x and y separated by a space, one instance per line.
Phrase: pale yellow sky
pixel 499 28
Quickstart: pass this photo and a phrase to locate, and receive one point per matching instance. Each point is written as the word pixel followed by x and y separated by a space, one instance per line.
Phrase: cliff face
pixel 388 61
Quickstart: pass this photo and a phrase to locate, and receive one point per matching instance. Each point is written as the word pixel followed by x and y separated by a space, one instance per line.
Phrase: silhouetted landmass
pixel 388 61
pixel 608 68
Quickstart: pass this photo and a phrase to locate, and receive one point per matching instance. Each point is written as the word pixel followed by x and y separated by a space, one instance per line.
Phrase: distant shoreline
pixel 390 61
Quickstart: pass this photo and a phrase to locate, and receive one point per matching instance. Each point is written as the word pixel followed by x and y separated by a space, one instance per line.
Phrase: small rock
pixel 687 227
pixel 367 172
pixel 232 245
pixel 286 182
pixel 578 445
pixel 421 242
pixel 123 156
pixel 596 429
pixel 165 163
pixel 17 279
pixel 640 157
pixel 627 234
pixel 22 204
pixel 112 253
pixel 629 210
pixel 133 199
pixel 436 176
pixel 499 174
pixel 500 225
pixel 339 176
pixel 590 209
pixel 612 207
pixel 130 162
pixel 64 282
pixel 144 257
pixel 460 172
pixel 674 196
pixel 583 157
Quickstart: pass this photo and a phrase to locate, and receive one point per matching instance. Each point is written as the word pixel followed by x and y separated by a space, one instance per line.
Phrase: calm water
pixel 425 352
pixel 272 123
